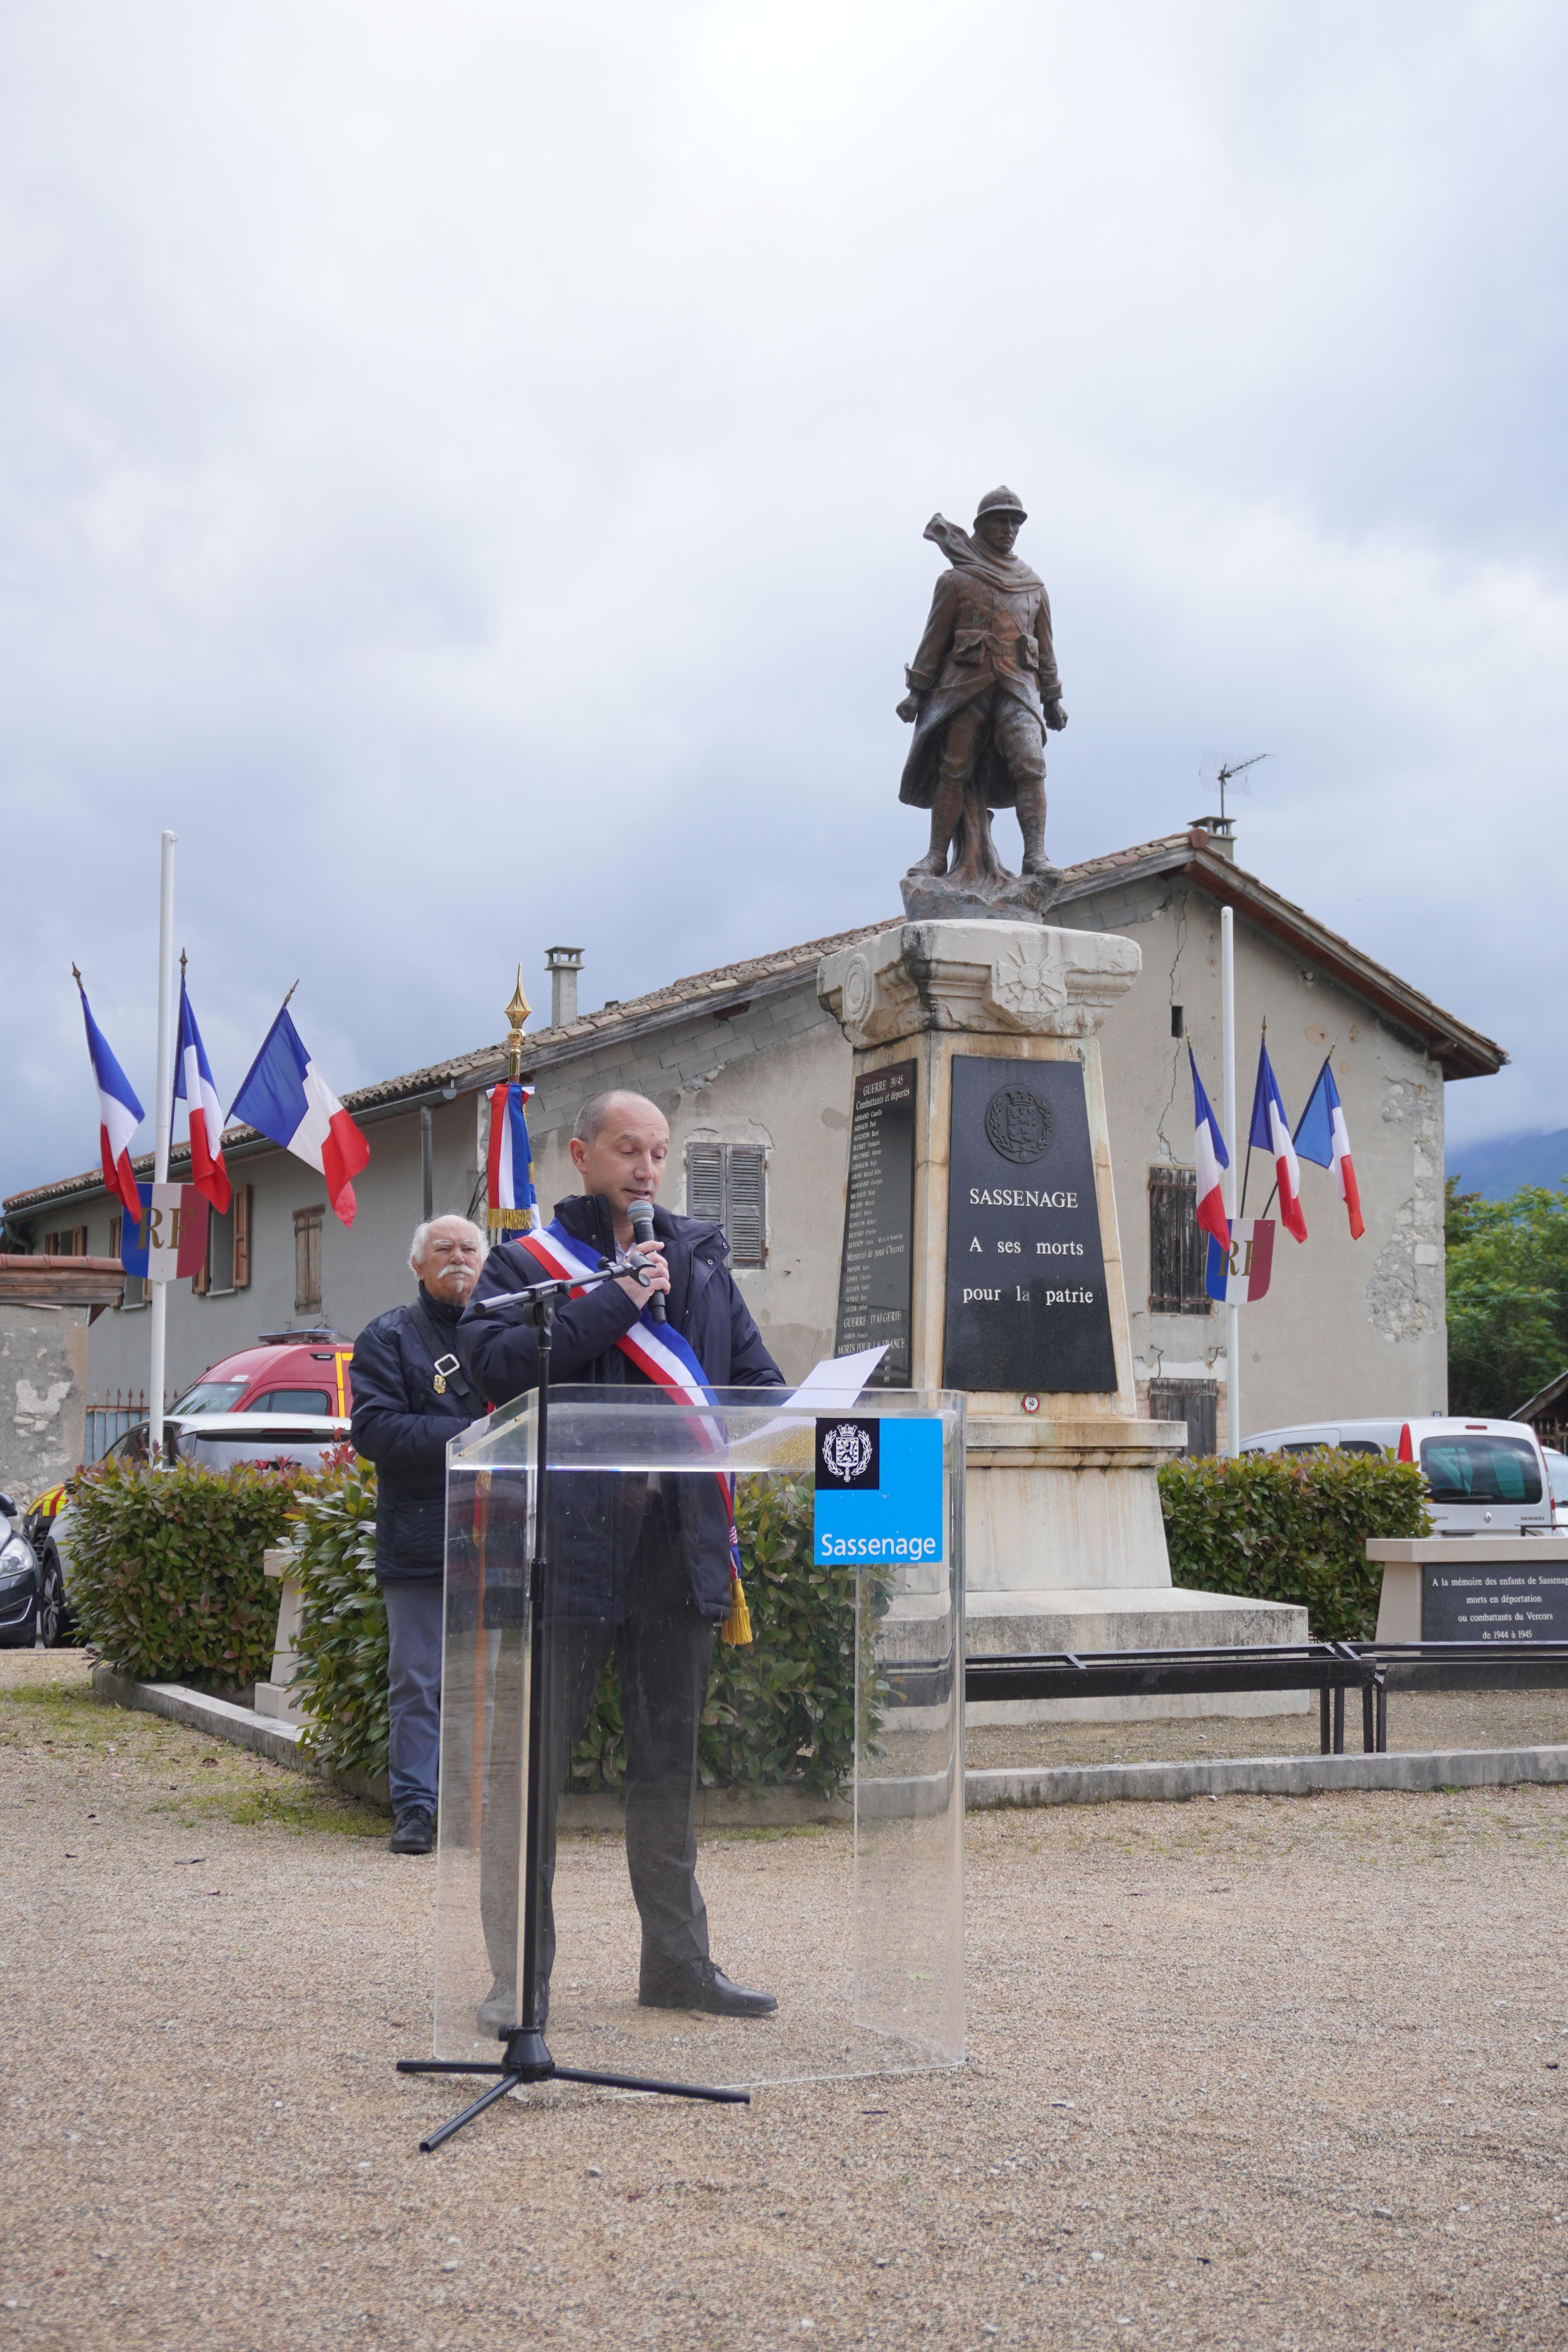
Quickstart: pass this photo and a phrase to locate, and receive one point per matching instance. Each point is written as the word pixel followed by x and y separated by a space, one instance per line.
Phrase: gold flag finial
pixel 517 1013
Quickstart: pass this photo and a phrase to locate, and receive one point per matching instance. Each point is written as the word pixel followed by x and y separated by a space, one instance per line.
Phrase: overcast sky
pixel 463 468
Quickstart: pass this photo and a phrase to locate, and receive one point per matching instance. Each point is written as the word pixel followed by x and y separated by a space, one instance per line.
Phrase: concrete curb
pixel 1263 1776
pixel 220 1718
pixel 1056 1784
pixel 278 1742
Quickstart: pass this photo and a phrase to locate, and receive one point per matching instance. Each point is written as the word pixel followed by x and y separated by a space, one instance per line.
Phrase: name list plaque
pixel 1027 1307
pixel 875 1297
pixel 1511 1602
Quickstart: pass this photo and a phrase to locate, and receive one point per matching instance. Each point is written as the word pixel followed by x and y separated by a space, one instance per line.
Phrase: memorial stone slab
pixel 1027 1306
pixel 1515 1601
pixel 876 1285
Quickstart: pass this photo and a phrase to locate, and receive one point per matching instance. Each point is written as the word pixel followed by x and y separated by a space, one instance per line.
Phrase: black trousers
pixel 663 1650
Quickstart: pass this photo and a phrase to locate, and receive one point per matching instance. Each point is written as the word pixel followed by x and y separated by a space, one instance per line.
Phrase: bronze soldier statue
pixel 982 690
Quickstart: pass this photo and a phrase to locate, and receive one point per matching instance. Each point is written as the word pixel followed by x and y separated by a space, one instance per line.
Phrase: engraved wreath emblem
pixel 846 1451
pixel 1018 1123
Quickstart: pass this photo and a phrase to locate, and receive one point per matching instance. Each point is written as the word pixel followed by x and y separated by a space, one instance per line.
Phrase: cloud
pixel 466 474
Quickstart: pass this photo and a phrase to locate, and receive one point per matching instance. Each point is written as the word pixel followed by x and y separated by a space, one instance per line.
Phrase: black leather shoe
pixel 414 1831
pixel 702 1986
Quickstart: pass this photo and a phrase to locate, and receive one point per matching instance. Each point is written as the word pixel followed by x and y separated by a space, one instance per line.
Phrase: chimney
pixel 1221 832
pixel 563 964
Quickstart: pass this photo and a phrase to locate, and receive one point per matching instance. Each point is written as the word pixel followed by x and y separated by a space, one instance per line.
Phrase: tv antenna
pixel 1228 771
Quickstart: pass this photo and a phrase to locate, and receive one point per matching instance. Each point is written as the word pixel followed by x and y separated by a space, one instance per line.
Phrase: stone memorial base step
pixel 1149 1617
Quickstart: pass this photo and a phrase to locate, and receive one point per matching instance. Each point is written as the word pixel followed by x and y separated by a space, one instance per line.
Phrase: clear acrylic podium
pixel 855 1675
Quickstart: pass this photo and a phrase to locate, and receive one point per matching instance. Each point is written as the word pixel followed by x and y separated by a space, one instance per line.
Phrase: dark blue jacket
pixel 595 1524
pixel 402 1425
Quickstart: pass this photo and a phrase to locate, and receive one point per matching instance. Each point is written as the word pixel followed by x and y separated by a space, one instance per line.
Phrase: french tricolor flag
pixel 194 1087
pixel 119 1112
pixel 286 1098
pixel 1270 1132
pixel 509 1161
pixel 1210 1156
pixel 1323 1136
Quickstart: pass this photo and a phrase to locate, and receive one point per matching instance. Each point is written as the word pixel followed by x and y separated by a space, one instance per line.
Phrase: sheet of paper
pixel 832 1386
pixel 838 1379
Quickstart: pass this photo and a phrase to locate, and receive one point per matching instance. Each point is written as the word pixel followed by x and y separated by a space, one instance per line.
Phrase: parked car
pixel 286 1372
pixel 31 1594
pixel 1557 1475
pixel 1483 1477
pixel 215 1442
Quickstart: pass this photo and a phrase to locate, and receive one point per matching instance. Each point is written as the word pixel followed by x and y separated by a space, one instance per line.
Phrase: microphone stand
pixel 526 2058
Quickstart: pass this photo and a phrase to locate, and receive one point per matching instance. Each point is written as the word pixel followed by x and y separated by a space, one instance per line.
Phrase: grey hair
pixel 593 1117
pixel 422 1234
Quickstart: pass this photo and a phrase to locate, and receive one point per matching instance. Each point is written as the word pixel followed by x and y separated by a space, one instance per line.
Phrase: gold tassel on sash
pixel 737 1626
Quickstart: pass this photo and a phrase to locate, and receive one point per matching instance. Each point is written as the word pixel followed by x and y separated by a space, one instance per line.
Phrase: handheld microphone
pixel 642 1233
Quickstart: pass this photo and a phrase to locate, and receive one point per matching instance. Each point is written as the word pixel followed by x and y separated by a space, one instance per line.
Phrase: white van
pixel 1484 1477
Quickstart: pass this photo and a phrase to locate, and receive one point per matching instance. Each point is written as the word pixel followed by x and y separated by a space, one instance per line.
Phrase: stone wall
pixel 43 1380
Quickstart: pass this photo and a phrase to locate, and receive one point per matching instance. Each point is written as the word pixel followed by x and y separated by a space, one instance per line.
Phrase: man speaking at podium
pixel 643 1570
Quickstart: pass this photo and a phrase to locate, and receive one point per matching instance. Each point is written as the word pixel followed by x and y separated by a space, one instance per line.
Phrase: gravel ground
pixel 1254 2073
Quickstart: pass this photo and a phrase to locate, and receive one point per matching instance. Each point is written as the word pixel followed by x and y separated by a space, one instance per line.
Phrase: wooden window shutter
pixel 78 1241
pixel 308 1260
pixel 1177 1249
pixel 241 1236
pixel 746 1224
pixel 705 1182
pixel 1194 1402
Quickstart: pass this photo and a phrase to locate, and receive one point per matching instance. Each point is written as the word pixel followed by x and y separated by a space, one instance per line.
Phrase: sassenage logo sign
pixel 879 1489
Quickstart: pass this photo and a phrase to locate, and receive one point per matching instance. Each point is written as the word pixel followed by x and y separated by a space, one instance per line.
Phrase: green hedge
pixel 340 1683
pixel 1277 1526
pixel 780 1711
pixel 166 1575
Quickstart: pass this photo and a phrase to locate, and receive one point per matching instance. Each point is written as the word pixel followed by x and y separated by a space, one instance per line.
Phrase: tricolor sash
pixel 660 1353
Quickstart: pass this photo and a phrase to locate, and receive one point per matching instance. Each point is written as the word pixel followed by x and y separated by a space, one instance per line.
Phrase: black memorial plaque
pixel 1514 1601
pixel 1027 1307
pixel 874 1286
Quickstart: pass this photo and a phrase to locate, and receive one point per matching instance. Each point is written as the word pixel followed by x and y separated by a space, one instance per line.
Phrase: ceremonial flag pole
pixel 164 1100
pixel 1227 1053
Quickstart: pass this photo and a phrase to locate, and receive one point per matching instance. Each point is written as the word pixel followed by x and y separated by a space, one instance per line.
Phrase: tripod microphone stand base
pixel 527 2060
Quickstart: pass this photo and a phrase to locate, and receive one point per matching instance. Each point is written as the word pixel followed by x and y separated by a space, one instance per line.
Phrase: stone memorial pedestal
pixel 272 1698
pixel 981 1245
pixel 1472 1588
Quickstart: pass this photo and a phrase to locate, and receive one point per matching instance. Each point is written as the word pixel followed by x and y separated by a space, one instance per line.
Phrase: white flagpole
pixel 165 1120
pixel 1228 1057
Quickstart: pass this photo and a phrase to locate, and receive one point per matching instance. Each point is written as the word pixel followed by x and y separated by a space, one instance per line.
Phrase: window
pixel 1177 1250
pixel 208 1396
pixel 291 1401
pixel 1461 1469
pixel 135 1291
pixel 71 1242
pixel 308 1260
pixel 727 1183
pixel 216 1275
pixel 1194 1402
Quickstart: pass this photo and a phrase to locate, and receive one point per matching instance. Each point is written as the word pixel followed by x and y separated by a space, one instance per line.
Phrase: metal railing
pixel 1331 1668
pixel 106 1422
